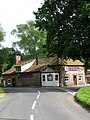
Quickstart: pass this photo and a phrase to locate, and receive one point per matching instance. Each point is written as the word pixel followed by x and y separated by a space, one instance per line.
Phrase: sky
pixel 15 12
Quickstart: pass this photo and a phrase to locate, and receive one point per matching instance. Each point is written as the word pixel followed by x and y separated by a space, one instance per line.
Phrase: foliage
pixel 83 96
pixel 30 38
pixel 7 56
pixel 2 34
pixel 68 28
pixel 1 90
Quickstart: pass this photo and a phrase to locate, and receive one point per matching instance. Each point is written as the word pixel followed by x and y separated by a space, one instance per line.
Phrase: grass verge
pixel 83 96
pixel 2 90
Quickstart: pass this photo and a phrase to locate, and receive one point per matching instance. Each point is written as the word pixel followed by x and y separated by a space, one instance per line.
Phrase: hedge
pixel 83 96
pixel 1 90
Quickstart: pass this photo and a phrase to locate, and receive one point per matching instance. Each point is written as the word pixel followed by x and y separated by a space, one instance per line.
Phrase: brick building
pixel 48 72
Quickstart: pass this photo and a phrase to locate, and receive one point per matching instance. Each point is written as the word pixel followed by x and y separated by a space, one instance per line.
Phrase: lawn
pixel 83 96
pixel 1 90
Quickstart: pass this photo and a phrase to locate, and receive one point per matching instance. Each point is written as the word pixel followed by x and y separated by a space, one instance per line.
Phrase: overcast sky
pixel 15 12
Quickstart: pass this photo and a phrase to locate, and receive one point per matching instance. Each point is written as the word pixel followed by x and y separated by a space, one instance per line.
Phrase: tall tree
pixel 68 28
pixel 2 34
pixel 30 38
pixel 7 58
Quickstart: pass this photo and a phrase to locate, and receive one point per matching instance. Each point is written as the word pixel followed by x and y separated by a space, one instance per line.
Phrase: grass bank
pixel 2 90
pixel 83 96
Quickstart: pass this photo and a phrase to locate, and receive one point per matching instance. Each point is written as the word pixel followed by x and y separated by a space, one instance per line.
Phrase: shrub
pixel 83 96
pixel 1 90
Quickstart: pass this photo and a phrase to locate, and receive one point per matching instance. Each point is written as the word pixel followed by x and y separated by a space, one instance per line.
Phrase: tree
pixel 68 28
pixel 7 59
pixel 30 38
pixel 2 34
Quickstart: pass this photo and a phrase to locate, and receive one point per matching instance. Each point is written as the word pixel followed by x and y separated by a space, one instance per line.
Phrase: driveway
pixel 45 103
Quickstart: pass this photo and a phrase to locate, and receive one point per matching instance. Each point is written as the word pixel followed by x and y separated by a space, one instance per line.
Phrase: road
pixel 40 104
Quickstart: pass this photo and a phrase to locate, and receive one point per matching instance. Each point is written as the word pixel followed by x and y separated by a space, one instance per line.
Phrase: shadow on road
pixel 32 89
pixel 10 119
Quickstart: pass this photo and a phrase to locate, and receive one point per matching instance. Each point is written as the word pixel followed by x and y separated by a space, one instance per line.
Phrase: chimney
pixel 17 58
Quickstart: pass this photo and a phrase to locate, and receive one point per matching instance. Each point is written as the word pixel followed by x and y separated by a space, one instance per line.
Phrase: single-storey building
pixel 48 72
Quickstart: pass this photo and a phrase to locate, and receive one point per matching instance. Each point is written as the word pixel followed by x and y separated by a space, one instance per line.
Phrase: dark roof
pixel 73 62
pixel 10 71
pixel 42 64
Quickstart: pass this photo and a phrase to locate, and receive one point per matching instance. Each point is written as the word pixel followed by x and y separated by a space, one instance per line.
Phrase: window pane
pixel 80 77
pixel 56 77
pixel 50 77
pixel 18 69
pixel 9 81
pixel 43 77
pixel 66 79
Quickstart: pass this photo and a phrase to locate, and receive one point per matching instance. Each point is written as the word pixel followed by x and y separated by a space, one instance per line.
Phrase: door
pixel 75 79
pixel 13 82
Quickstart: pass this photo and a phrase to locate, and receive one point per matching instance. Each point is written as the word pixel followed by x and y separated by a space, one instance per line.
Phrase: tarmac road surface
pixel 45 103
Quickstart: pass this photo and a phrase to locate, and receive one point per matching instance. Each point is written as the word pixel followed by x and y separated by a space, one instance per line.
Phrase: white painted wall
pixel 26 66
pixel 50 83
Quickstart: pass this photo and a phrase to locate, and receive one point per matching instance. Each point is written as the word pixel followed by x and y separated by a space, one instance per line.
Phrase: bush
pixel 83 96
pixel 1 90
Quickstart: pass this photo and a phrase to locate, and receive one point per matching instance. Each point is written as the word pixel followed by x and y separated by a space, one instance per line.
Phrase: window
pixel 56 77
pixel 50 77
pixel 80 77
pixel 43 77
pixel 9 81
pixel 18 69
pixel 66 79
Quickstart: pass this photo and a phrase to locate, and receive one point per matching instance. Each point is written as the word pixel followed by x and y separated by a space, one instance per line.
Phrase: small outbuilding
pixel 50 77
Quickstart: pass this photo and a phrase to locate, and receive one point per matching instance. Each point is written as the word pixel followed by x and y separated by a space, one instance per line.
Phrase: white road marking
pixel 38 91
pixel 69 91
pixel 38 96
pixel 72 93
pixel 34 104
pixel 31 117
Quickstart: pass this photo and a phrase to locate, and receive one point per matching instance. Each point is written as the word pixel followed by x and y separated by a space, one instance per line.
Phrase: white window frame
pixel 8 81
pixel 44 77
pixel 56 77
pixel 80 78
pixel 66 78
pixel 18 69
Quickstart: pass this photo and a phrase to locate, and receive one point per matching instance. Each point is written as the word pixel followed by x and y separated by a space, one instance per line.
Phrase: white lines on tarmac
pixel 31 117
pixel 72 93
pixel 38 91
pixel 38 96
pixel 69 91
pixel 34 104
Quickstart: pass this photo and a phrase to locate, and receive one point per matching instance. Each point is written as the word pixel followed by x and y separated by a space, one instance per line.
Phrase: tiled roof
pixel 10 71
pixel 76 62
pixel 72 62
pixel 42 64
